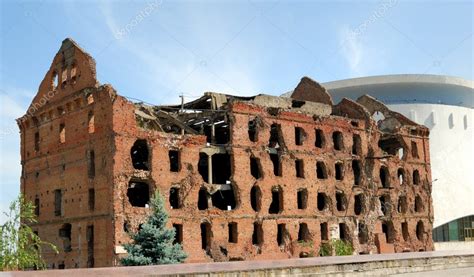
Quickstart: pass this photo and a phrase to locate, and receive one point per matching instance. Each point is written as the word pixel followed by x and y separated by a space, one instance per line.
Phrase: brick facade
pixel 244 178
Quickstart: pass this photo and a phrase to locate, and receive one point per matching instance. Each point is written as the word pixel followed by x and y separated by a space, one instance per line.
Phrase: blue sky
pixel 155 50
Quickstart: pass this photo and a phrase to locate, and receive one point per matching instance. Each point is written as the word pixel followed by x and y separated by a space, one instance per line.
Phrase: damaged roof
pixel 309 97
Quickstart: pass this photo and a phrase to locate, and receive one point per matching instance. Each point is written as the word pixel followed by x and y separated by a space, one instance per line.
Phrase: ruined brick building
pixel 244 178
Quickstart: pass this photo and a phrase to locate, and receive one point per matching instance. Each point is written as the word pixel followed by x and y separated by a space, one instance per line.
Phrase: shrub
pixel 153 243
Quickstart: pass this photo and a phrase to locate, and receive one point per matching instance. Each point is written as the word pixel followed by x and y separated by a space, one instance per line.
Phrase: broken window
pixel 37 206
pixel 362 233
pixel 221 169
pixel 252 130
pixel 257 235
pixel 275 158
pixel 54 80
pixel 206 234
pixel 391 145
pixel 384 177
pixel 358 203
pixel 65 234
pixel 221 132
pixel 138 194
pixel 300 136
pixel 203 203
pixel 91 164
pixel 321 171
pixel 356 145
pixel 303 232
pixel 385 204
pixel 414 150
pixel 232 226
pixel 340 201
pixel 90 122
pixel 416 177
pixel 378 116
pixel 299 166
pixel 178 233
pixel 126 226
pixel 419 207
pixel 224 199
pixel 90 98
pixel 322 201
pixel 420 230
pixel 139 154
pixel 276 136
pixel 406 235
pixel 389 231
pixel 90 245
pixel 339 171
pixel 91 199
pixel 255 198
pixel 255 168
pixel 338 140
pixel 302 196
pixel 73 73
pixel 343 232
pixel 324 231
pixel 37 141
pixel 277 201
pixel 281 234
pixel 203 166
pixel 58 199
pixel 63 77
pixel 401 176
pixel 356 169
pixel 319 142
pixel 174 158
pixel 402 204
pixel 62 133
pixel 174 198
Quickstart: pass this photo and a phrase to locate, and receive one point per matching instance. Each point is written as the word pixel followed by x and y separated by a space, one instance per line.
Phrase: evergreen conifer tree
pixel 153 243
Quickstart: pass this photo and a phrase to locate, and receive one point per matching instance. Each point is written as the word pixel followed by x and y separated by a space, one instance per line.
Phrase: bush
pixel 325 250
pixel 340 247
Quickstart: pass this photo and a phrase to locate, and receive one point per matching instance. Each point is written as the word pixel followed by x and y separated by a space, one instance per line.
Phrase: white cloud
pixel 353 51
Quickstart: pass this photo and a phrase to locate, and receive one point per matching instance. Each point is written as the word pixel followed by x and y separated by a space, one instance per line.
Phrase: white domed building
pixel 445 105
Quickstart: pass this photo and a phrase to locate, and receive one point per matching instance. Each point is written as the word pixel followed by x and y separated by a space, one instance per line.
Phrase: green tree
pixel 20 247
pixel 153 243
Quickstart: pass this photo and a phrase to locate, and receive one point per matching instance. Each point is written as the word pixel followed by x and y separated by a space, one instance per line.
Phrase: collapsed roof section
pixel 208 115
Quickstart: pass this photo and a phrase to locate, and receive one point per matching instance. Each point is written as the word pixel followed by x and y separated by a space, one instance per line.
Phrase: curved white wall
pixel 452 156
